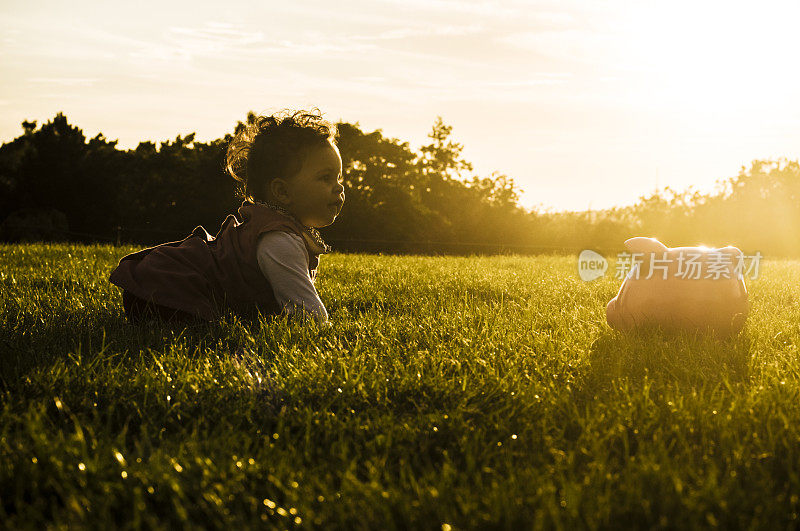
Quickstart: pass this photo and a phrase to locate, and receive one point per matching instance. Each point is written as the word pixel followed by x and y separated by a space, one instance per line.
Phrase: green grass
pixel 475 392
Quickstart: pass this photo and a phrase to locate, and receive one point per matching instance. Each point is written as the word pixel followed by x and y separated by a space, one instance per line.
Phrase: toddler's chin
pixel 325 224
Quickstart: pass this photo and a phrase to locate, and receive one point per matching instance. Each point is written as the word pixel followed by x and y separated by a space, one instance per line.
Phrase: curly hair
pixel 268 147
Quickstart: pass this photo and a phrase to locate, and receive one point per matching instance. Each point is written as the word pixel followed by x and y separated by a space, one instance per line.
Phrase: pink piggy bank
pixel 681 288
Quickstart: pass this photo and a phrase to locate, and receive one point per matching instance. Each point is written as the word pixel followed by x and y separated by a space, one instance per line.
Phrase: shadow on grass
pixel 407 301
pixel 679 358
pixel 31 343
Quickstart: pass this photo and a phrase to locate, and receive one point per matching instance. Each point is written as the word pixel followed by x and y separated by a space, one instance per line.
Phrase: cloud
pixel 214 37
pixel 65 81
pixel 231 42
pixel 458 6
pixel 435 30
pixel 181 44
pixel 563 45
pixel 545 78
pixel 554 18
pixel 314 48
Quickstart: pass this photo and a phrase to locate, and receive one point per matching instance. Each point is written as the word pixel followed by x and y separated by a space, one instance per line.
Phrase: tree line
pixel 56 184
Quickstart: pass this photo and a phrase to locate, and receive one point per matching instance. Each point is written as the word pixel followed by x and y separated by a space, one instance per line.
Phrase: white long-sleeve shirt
pixel 283 259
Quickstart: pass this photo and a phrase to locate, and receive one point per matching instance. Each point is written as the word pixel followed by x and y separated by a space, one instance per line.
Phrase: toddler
pixel 266 260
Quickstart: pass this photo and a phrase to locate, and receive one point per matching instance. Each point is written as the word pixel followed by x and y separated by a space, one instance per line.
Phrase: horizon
pixel 586 107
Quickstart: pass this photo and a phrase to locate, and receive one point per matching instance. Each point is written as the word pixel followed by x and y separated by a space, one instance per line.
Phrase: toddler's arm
pixel 283 259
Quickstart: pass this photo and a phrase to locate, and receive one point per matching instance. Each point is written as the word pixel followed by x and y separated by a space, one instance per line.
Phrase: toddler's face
pixel 316 194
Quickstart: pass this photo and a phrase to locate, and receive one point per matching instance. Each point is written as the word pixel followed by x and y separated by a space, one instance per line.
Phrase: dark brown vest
pixel 206 275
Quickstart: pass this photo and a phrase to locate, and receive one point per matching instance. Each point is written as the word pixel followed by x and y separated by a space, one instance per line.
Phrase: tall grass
pixel 469 392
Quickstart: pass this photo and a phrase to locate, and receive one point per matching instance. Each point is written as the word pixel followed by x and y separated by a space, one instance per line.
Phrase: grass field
pixel 463 392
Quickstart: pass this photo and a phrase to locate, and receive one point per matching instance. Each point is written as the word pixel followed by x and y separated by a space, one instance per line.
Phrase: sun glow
pixel 715 56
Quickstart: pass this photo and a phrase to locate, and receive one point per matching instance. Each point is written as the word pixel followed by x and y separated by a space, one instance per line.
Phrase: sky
pixel 585 104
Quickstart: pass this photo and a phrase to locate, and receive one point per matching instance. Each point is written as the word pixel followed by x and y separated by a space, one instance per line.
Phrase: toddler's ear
pixel 277 188
pixel 645 245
